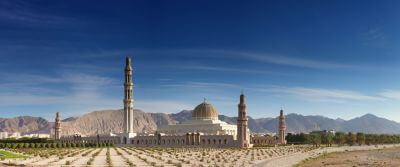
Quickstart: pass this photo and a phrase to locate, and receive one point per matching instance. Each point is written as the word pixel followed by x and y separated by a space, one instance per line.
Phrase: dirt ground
pixel 381 157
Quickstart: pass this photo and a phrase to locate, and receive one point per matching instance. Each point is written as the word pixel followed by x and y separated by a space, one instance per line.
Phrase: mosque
pixel 203 130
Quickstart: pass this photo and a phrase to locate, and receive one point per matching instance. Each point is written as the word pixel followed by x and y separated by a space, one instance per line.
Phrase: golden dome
pixel 204 111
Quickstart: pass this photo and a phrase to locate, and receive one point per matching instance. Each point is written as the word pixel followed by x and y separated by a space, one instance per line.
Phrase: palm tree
pixel 351 139
pixel 340 138
pixel 360 138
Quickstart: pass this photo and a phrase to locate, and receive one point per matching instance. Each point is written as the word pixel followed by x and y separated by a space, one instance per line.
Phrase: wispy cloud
pixel 162 106
pixel 226 54
pixel 73 93
pixel 391 94
pixel 226 69
pixel 257 57
pixel 28 13
pixel 322 95
pixel 191 84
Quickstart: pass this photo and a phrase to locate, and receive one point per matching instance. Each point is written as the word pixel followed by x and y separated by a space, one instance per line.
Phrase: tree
pixel 327 138
pixel 351 139
pixel 340 138
pixel 315 139
pixel 360 138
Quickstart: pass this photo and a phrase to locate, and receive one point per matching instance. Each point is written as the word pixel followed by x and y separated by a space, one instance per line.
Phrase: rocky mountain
pixel 106 121
pixel 25 124
pixel 371 124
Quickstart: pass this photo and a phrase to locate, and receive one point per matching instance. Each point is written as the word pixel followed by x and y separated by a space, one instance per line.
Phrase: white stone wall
pixel 191 140
pixel 91 139
pixel 214 127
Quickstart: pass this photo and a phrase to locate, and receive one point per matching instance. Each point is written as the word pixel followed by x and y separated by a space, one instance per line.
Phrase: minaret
pixel 243 137
pixel 128 98
pixel 282 128
pixel 57 127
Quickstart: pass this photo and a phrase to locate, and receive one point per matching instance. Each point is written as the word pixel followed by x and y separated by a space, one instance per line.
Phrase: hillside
pixel 106 121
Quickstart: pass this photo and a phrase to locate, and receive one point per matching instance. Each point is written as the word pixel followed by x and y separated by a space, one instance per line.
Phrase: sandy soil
pixel 116 160
pixel 379 157
pixel 100 160
pixel 282 156
pixel 290 160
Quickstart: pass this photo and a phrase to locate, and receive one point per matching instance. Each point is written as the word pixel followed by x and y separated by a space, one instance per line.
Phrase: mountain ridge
pixel 107 121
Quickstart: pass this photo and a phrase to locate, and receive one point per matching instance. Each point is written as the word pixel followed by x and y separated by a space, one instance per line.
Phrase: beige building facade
pixel 204 129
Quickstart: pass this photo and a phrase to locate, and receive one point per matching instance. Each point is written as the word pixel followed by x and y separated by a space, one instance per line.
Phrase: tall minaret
pixel 243 137
pixel 57 127
pixel 128 98
pixel 282 128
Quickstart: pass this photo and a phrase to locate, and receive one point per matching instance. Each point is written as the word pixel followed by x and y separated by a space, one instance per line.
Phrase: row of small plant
pixel 211 156
pixel 94 155
pixel 126 159
pixel 44 152
pixel 341 138
pixel 53 145
pixel 108 157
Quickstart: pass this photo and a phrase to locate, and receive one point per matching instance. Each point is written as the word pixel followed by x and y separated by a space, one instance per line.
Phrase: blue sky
pixel 330 58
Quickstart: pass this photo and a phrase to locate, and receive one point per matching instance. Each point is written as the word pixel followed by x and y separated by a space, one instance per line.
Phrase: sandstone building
pixel 203 130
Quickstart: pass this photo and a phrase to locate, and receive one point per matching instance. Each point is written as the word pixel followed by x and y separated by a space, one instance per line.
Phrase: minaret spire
pixel 243 137
pixel 128 97
pixel 57 127
pixel 282 128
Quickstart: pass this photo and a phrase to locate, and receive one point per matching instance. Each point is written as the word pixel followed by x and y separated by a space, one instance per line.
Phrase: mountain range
pixel 106 121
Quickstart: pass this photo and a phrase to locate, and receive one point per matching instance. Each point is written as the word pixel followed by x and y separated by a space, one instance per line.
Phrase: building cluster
pixel 202 130
pixel 17 135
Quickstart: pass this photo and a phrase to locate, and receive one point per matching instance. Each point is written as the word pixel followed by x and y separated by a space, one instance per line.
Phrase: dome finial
pixel 204 99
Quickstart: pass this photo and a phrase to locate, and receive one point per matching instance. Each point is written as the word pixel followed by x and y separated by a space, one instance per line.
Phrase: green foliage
pixel 327 138
pixel 11 155
pixel 297 138
pixel 360 138
pixel 351 139
pixel 26 140
pixel 340 138
pixel 315 139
